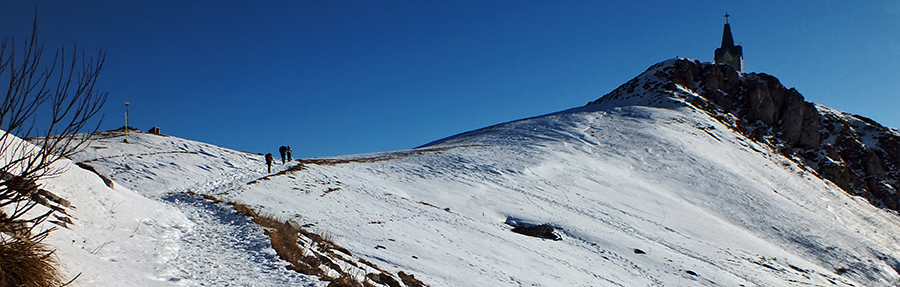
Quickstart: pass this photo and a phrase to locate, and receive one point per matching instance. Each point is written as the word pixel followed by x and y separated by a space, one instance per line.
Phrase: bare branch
pixel 65 88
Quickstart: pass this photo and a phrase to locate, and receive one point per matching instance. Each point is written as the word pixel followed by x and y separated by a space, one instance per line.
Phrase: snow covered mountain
pixel 662 182
pixel 856 153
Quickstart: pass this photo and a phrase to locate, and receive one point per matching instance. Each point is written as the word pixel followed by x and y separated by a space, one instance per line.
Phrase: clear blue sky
pixel 344 77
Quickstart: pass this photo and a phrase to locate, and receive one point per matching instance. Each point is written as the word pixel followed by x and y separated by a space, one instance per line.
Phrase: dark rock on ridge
pixel 544 231
pixel 854 152
pixel 540 231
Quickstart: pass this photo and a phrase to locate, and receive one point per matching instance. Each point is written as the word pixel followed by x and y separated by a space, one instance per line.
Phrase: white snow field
pixel 640 195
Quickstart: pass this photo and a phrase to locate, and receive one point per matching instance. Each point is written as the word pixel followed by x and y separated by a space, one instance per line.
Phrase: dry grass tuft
pixel 284 238
pixel 410 280
pixel 27 263
pixel 383 279
pixel 344 281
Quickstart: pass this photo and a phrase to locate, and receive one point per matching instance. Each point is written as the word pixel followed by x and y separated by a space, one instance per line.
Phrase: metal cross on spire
pixel 726 18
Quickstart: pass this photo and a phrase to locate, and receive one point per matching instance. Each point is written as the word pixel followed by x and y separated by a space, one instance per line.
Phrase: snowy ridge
pixel 854 152
pixel 860 125
pixel 108 224
pixel 650 88
pixel 643 188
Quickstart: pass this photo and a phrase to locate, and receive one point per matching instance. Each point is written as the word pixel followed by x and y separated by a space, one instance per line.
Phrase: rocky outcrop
pixel 855 153
pixel 860 156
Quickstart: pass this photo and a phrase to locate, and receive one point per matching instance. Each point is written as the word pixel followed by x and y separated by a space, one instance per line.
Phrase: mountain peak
pixel 854 152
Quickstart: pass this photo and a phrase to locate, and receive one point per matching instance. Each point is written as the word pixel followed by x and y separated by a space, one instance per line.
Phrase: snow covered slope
pixel 122 238
pixel 647 190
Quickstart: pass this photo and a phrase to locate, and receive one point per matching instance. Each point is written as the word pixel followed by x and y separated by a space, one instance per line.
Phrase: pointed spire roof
pixel 727 39
pixel 729 53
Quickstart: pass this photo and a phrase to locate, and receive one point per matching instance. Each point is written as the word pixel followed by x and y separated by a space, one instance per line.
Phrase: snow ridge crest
pixel 852 151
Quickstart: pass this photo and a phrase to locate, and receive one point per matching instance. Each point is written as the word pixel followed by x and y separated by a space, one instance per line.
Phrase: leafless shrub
pixel 65 89
pixel 61 98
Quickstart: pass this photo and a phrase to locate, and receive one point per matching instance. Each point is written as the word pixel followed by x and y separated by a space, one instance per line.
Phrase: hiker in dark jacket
pixel 282 150
pixel 269 161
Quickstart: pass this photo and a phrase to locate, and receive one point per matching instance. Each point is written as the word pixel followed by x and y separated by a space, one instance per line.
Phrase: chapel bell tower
pixel 729 54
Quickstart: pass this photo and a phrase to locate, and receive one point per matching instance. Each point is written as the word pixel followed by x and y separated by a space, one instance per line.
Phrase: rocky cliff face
pixel 856 153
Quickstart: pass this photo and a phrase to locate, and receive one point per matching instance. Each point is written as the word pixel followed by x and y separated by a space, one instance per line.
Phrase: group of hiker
pixel 285 156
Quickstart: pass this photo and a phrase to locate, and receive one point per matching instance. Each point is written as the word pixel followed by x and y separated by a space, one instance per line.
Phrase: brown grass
pixel 328 161
pixel 27 263
pixel 410 280
pixel 285 238
pixel 344 281
pixel 383 279
pixel 386 157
